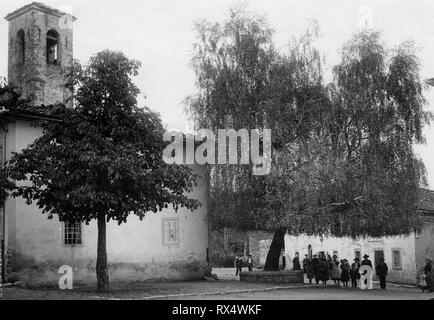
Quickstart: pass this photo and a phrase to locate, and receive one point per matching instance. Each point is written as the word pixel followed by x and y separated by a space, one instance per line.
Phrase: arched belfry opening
pixel 37 52
pixel 20 47
pixel 52 47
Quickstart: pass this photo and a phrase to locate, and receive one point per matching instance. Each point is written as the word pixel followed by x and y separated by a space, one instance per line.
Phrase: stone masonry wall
pixel 39 80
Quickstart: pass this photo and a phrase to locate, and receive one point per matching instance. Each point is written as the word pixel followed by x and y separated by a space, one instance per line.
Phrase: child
pixel 250 262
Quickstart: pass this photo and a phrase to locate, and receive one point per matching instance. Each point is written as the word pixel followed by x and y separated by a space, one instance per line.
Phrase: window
pixel 358 254
pixel 170 231
pixel 52 47
pixel 396 259
pixel 72 234
pixel 309 251
pixel 20 47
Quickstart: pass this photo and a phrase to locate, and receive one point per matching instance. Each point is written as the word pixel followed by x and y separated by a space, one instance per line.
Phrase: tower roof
pixel 35 6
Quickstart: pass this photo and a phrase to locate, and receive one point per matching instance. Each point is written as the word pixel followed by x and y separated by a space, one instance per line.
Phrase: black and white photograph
pixel 228 151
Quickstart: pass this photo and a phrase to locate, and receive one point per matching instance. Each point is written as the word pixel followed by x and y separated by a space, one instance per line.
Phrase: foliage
pixel 343 159
pixel 243 82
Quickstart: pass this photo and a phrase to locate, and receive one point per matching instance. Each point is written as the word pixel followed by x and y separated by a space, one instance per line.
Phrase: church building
pixel 164 245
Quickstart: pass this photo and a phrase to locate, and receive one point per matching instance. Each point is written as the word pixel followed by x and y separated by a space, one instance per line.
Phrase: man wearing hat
pixel 366 261
pixel 354 272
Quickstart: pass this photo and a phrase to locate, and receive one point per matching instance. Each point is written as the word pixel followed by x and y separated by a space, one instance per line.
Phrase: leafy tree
pixel 343 160
pixel 103 160
pixel 244 82
pixel 358 175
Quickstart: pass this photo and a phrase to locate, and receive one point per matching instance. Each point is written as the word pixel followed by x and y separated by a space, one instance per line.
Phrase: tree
pixel 243 82
pixel 343 160
pixel 103 160
pixel 358 175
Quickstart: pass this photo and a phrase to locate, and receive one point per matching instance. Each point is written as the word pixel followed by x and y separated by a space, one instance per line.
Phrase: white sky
pixel 159 33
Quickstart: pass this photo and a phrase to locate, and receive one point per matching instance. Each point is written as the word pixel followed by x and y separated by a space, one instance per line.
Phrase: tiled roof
pixel 426 200
pixel 35 5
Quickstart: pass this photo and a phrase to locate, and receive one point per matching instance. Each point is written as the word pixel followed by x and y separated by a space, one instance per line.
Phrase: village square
pixel 263 172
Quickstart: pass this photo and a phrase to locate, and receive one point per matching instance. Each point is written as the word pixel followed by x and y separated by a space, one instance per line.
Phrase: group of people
pixel 239 263
pixel 321 269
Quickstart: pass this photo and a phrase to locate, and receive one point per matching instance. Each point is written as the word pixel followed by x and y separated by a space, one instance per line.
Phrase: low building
pixel 403 254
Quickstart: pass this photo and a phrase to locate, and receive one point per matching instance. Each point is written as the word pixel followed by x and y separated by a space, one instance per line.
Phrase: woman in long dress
pixel 345 272
pixel 324 269
pixel 310 272
pixel 335 273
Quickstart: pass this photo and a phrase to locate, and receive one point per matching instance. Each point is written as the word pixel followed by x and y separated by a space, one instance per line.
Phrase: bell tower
pixel 40 47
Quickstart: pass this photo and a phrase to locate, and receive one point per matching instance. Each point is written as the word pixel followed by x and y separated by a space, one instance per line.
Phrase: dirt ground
pixel 227 288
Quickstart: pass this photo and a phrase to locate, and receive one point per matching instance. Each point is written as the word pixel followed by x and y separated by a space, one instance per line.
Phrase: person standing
pixel 239 261
pixel 325 266
pixel 366 261
pixel 305 263
pixel 428 275
pixel 296 262
pixel 381 270
pixel 335 274
pixel 310 270
pixel 354 272
pixel 316 269
pixel 250 262
pixel 345 272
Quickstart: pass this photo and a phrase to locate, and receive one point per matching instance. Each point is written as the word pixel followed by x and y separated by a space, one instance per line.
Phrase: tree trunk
pixel 246 244
pixel 273 256
pixel 101 260
pixel 226 240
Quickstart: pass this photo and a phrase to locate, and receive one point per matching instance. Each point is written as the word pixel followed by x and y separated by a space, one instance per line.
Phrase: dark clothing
pixel 428 268
pixel 316 270
pixel 381 270
pixel 296 264
pixel 250 263
pixel 382 282
pixel 428 276
pixel 324 270
pixel 367 262
pixel 306 261
pixel 310 270
pixel 345 272
pixel 354 273
pixel 239 261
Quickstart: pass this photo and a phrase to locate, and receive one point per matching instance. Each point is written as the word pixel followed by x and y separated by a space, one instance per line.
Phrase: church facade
pixel 164 245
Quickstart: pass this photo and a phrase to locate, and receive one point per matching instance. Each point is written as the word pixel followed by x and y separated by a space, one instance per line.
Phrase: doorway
pixel 377 255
